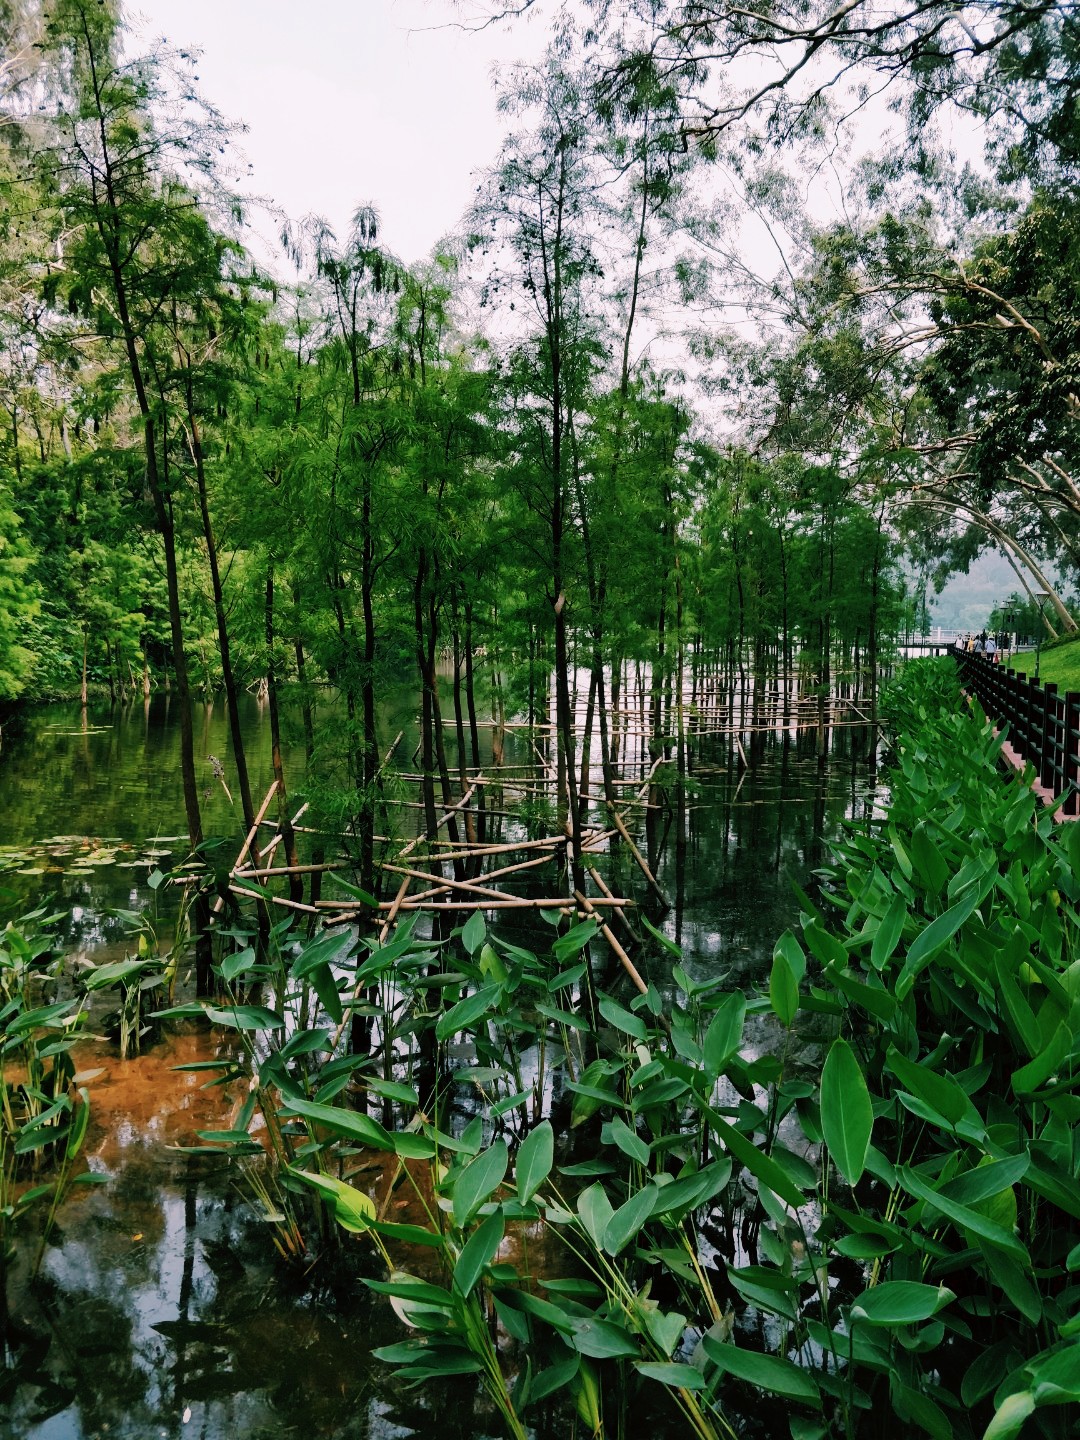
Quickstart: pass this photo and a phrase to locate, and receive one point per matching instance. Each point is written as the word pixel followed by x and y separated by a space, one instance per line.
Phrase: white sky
pixel 353 101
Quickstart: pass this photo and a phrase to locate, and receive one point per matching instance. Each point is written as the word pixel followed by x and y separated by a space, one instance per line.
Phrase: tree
pixel 123 216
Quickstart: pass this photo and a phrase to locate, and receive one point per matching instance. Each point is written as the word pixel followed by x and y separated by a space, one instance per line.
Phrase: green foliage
pixel 44 1110
pixel 924 1264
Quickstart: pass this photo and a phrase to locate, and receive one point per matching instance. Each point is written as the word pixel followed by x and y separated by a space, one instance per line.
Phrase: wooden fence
pixel 1043 726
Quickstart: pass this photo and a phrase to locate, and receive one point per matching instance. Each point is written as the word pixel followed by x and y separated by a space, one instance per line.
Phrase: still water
pixel 160 1309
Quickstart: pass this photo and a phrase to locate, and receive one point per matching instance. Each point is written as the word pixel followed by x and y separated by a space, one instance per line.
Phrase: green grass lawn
pixel 1060 664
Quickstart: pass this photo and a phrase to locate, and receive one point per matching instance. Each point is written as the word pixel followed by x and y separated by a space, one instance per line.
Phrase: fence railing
pixel 1044 727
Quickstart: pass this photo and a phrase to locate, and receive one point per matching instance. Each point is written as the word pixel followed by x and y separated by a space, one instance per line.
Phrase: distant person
pixel 979 645
pixel 991 649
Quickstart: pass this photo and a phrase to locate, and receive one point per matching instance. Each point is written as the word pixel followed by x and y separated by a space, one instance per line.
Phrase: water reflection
pixel 160 1311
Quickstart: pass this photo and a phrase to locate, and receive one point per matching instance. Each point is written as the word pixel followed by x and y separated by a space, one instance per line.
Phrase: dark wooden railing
pixel 1044 727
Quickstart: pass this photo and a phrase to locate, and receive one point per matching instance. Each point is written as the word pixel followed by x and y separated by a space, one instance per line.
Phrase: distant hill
pixel 967 600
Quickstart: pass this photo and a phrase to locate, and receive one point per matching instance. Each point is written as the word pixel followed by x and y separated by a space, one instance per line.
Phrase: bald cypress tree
pixel 128 141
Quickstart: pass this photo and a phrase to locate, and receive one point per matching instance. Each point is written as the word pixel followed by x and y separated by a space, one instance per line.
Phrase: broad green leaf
pixel 793 953
pixel 535 1157
pixel 595 1211
pixel 874 999
pixel 900 1302
pixel 1029 1077
pixel 408 1234
pixel 622 1019
pixel 118 973
pixel 349 1123
pixel 984 1374
pixel 628 1141
pixel 244 1017
pixel 628 1220
pixel 767 1372
pixel 574 941
pixel 478 1180
pixel 474 932
pixel 933 939
pixel 888 932
pixel 393 1090
pixel 479 1250
pixel 784 981
pixel 1010 1415
pixel 325 987
pixel 963 1216
pixel 354 890
pixel 987 1180
pixel 1055 1375
pixel 767 1289
pixel 416 1303
pixel 688 1192
pixel 724 1035
pixel 928 860
pixel 680 1377
pixel 847 1115
pixel 332 948
pixel 353 1210
pixel 466 1012
pixel 491 965
pixel 562 1017
pixel 411 1146
pixel 80 1120
pixel 940 1092
pixel 546 1382
pixel 760 1165
pixel 603 1340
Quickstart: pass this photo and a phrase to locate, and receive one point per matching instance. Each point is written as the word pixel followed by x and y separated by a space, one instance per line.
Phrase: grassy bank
pixel 1059 663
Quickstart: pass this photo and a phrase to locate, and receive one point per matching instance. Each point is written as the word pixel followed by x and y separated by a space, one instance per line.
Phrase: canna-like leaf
pixel 888 933
pixel 963 1216
pixel 603 1340
pixel 353 1210
pixel 628 1141
pixel 594 1208
pixel 767 1372
pixel 724 1035
pixel 348 1123
pixel 534 1161
pixel 466 1012
pixel 900 1302
pixel 847 1114
pixel 478 1251
pixel 478 1180
pixel 681 1377
pixel 628 1220
pixel 474 932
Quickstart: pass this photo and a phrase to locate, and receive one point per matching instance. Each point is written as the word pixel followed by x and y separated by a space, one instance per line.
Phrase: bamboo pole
pixel 220 901
pixel 598 881
pixel 286 870
pixel 273 900
pixel 589 906
pixel 642 862
pixel 448 815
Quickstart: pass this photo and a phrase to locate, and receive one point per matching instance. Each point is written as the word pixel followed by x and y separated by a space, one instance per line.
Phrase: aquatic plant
pixel 853 1193
pixel 44 1110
